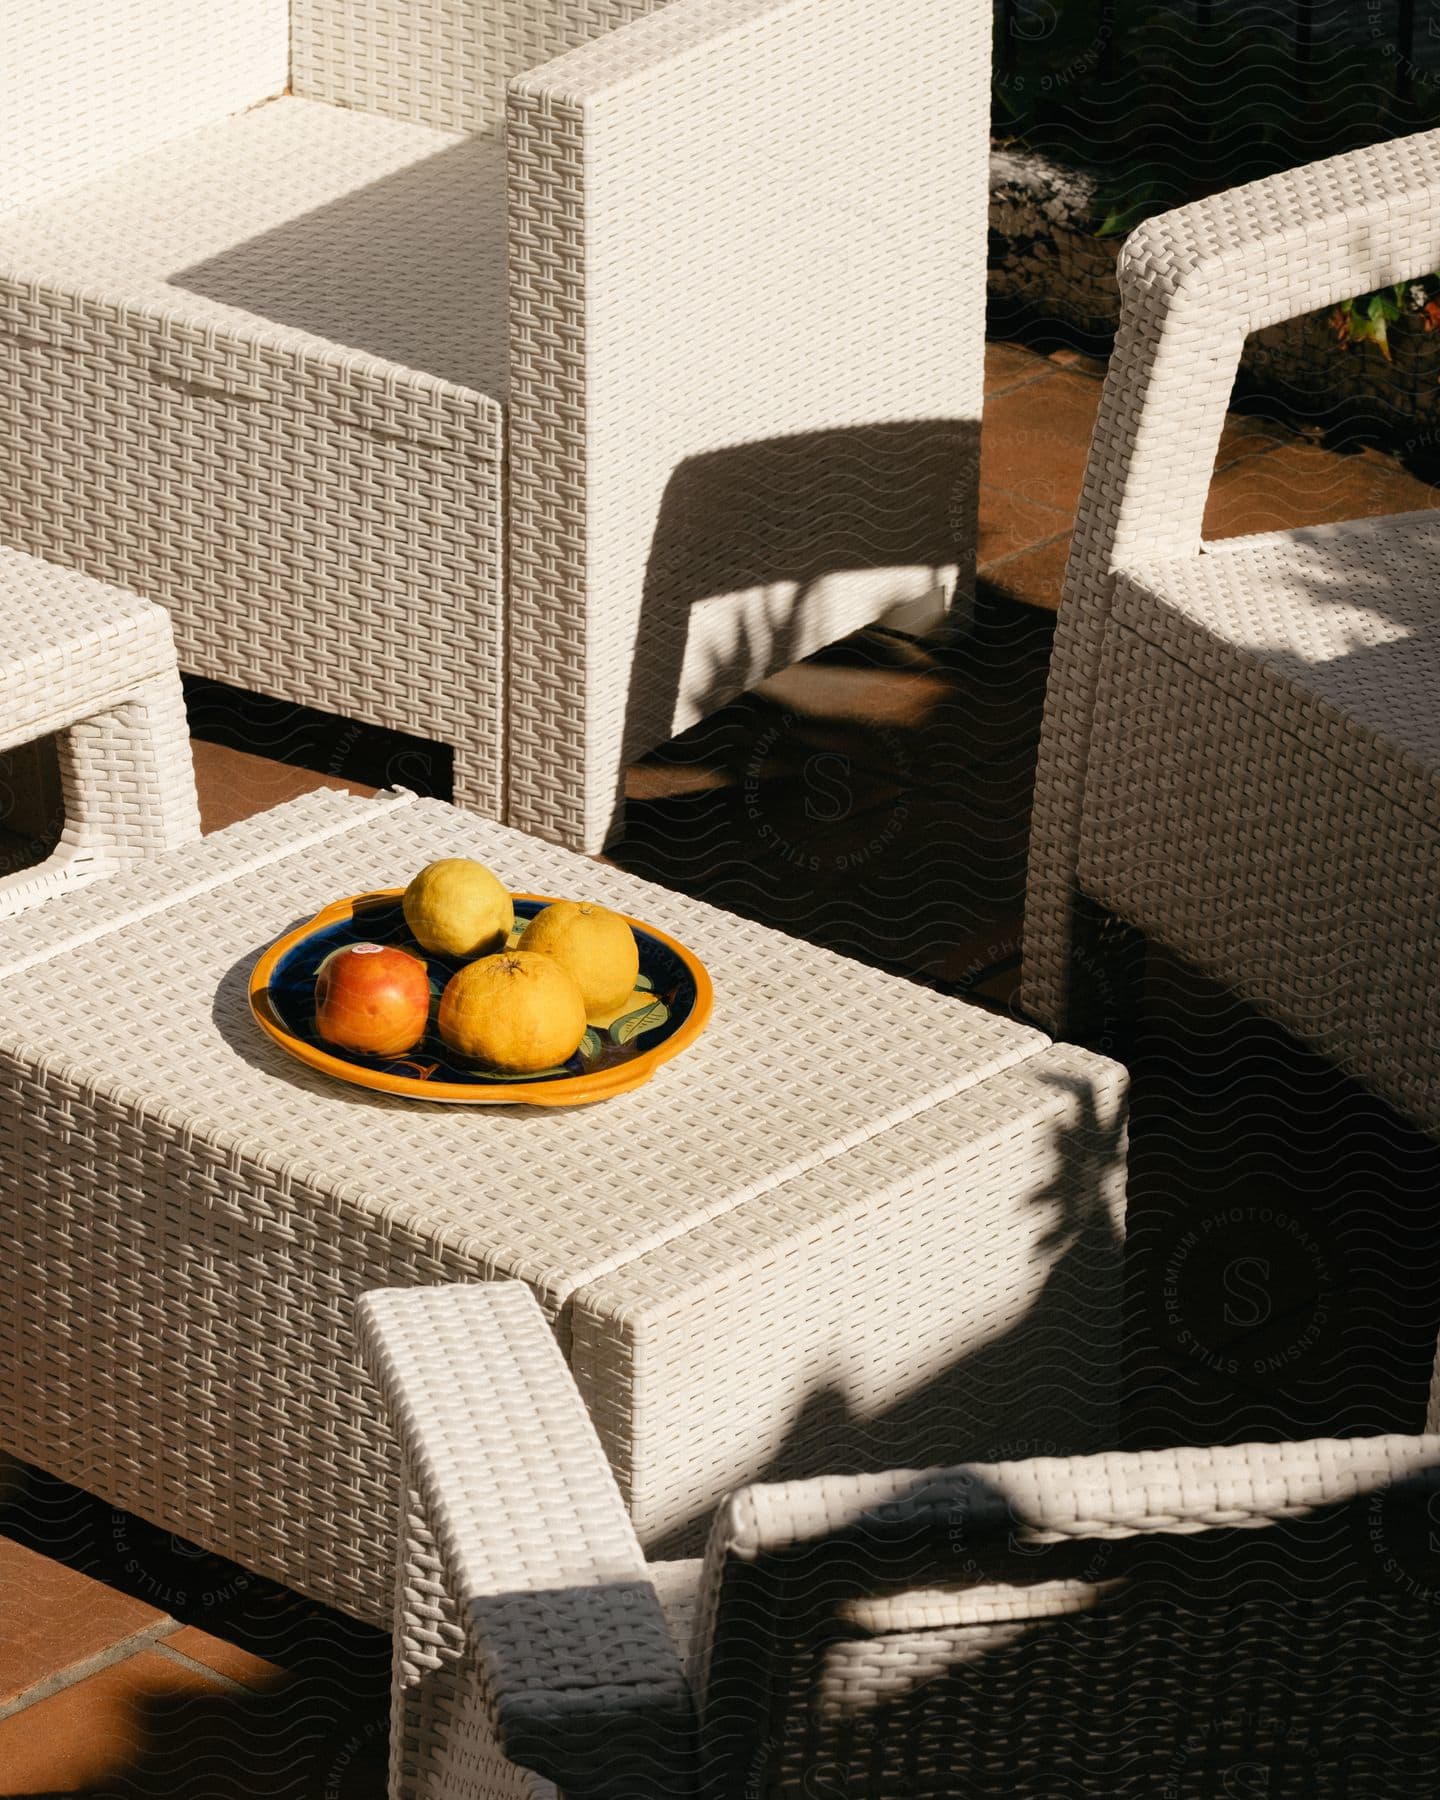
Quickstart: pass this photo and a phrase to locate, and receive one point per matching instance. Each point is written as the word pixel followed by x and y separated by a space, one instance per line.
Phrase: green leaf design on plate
pixel 645 984
pixel 591 1044
pixel 484 1072
pixel 647 1018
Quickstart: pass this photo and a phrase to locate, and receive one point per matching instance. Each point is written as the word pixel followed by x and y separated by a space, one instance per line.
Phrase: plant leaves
pixel 1139 204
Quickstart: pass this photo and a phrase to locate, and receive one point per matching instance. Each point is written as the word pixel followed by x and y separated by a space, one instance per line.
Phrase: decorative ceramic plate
pixel 671 1005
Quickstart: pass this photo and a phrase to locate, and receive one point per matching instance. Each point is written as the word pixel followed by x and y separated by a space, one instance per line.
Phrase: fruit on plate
pixel 372 997
pixel 518 1011
pixel 456 907
pixel 596 945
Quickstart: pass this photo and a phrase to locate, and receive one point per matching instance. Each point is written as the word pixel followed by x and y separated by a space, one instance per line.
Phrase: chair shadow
pixel 1048 1384
pixel 410 267
pixel 1292 1660
pixel 761 551
pixel 297 1741
pixel 765 552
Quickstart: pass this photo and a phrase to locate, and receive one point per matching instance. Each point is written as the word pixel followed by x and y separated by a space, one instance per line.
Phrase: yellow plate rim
pixel 570 1090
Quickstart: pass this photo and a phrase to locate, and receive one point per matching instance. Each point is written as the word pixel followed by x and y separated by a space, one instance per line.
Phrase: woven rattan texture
pixel 1111 1495
pixel 196 868
pixel 1179 1661
pixel 257 1199
pixel 68 643
pixel 257 372
pixel 1194 283
pixel 437 62
pixel 323 524
pixel 88 86
pixel 536 1539
pixel 950 1289
pixel 897 1713
pixel 442 1739
pixel 1342 622
pixel 330 227
pixel 96 666
pixel 737 433
pixel 1170 1619
pixel 1315 898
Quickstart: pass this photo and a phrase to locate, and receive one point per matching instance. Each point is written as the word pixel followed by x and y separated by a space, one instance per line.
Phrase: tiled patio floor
pixel 875 800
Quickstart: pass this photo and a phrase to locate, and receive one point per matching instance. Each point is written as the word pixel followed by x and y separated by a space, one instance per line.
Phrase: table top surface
pixel 137 987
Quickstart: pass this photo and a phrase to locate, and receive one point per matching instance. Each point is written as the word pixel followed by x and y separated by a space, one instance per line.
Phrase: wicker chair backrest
pixel 442 63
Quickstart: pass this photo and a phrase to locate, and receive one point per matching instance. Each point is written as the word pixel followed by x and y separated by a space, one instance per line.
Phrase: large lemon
pixel 596 945
pixel 456 907
pixel 516 1011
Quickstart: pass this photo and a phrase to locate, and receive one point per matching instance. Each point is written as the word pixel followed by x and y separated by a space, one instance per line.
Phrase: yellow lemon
pixel 516 1011
pixel 596 945
pixel 456 907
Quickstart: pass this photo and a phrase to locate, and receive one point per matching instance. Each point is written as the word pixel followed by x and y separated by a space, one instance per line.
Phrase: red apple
pixel 372 997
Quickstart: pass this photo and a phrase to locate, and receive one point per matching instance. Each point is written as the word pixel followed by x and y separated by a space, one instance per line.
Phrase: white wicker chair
pixel 1241 748
pixel 266 362
pixel 1088 1626
pixel 94 667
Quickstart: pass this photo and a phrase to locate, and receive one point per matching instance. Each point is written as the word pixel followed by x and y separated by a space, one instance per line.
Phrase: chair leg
pixel 128 780
pixel 128 788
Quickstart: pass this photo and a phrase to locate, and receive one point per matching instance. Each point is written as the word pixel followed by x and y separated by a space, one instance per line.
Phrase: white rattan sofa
pixel 534 407
pixel 1241 747
pixel 1189 1623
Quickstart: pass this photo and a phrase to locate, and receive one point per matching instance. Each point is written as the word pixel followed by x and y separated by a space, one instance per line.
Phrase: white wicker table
pixel 846 1189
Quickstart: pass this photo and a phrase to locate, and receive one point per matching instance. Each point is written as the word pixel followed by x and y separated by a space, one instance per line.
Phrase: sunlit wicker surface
pixel 1175 1622
pixel 1240 752
pixel 314 225
pixel 853 1211
pixel 256 360
pixel 96 666
pixel 257 381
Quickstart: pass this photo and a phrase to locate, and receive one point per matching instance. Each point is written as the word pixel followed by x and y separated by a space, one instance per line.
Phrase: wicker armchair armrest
pixel 747 248
pixel 1194 283
pixel 1050 1499
pixel 1269 250
pixel 583 1683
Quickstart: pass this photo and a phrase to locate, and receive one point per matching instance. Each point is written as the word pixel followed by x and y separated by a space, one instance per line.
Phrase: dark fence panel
pixel 1168 98
pixel 1389 28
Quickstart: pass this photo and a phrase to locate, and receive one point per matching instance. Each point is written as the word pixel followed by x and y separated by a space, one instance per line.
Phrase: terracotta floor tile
pixel 1035 577
pixel 1010 523
pixel 226 1658
pixel 855 696
pixel 1246 435
pixel 1008 365
pixel 54 1617
pixel 1299 483
pixel 660 780
pixel 154 1728
pixel 1093 366
pixel 1036 438
pixel 233 784
pixel 92 1732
